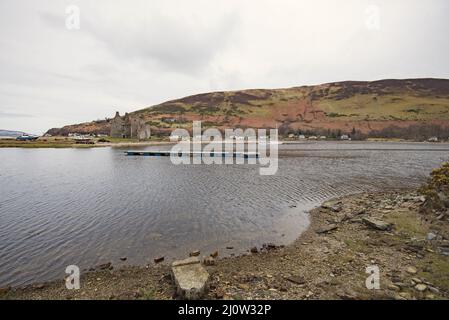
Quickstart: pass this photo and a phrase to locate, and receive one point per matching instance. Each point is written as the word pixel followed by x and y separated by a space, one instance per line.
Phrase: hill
pixel 11 134
pixel 352 106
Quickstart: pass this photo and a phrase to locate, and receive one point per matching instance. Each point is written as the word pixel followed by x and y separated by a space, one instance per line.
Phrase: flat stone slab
pixel 326 229
pixel 377 224
pixel 191 278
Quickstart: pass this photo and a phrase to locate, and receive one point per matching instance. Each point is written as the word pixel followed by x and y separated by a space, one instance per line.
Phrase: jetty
pixel 168 153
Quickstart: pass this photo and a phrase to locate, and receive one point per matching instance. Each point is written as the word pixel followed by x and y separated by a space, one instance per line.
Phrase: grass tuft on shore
pixel 436 189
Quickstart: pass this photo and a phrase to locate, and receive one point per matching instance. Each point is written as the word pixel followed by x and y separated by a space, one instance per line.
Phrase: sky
pixel 65 62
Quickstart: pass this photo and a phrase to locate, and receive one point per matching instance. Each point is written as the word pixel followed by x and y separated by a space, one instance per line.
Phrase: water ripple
pixel 85 207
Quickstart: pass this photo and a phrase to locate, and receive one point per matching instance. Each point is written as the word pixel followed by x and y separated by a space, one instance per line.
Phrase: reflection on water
pixel 84 207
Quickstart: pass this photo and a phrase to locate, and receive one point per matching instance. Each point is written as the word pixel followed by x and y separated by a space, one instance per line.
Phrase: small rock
pixel 421 287
pixel 229 248
pixel 158 259
pixel 415 246
pixel 412 270
pixel 352 215
pixel 431 236
pixel 433 290
pixel 195 253
pixel 39 286
pixel 104 266
pixel 416 280
pixel 377 224
pixel 296 279
pixel 209 261
pixel 254 250
pixel 393 287
pixel 405 295
pixel 335 208
pixel 401 284
pixel 325 206
pixel 123 258
pixel 214 254
pixel 326 229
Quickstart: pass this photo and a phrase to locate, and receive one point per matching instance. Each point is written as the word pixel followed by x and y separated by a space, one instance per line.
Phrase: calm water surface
pixel 84 207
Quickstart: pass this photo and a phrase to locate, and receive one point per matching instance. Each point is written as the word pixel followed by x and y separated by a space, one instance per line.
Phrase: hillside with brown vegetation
pixel 384 108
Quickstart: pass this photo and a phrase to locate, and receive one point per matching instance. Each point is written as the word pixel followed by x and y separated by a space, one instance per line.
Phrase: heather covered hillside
pixel 385 107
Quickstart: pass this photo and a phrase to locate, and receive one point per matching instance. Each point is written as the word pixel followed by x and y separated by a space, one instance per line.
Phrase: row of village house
pixel 343 137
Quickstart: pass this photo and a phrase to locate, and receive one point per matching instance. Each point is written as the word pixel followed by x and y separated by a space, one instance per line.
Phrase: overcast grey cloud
pixel 13 115
pixel 132 54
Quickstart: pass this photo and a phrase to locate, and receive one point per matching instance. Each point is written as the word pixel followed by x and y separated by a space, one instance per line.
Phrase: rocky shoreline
pixel 390 230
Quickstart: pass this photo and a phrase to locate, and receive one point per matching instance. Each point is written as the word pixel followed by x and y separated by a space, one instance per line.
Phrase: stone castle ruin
pixel 133 127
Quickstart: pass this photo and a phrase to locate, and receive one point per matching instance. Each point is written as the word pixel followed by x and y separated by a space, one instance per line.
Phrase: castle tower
pixel 117 126
pixel 129 127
